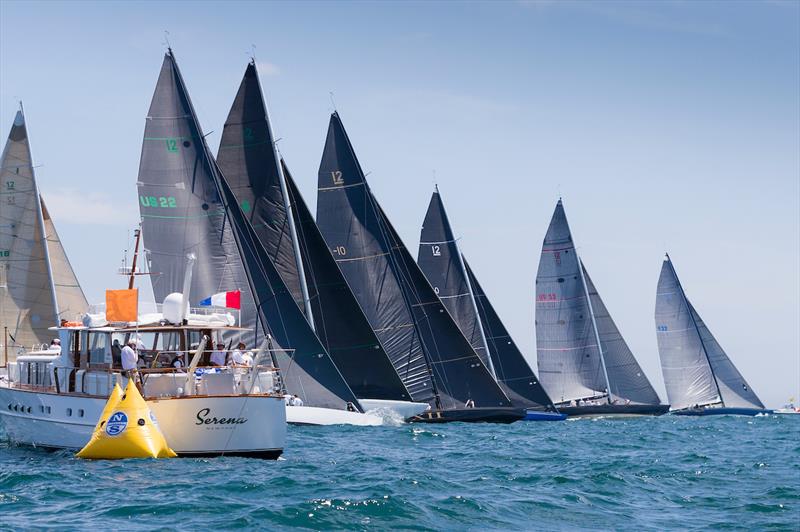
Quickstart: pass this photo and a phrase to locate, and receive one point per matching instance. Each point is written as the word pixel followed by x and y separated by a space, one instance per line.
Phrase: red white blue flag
pixel 223 299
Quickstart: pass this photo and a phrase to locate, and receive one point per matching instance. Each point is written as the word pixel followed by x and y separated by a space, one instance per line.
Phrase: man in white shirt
pixel 130 358
pixel 238 357
pixel 296 401
pixel 218 355
pixel 55 345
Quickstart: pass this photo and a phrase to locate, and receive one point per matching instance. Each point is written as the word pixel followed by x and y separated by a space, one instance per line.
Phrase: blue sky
pixel 665 126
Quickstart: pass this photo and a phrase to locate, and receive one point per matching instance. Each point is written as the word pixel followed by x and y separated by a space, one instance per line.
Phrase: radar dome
pixel 172 308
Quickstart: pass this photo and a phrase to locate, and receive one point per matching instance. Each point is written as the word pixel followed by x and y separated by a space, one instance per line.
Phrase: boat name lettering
pixel 204 419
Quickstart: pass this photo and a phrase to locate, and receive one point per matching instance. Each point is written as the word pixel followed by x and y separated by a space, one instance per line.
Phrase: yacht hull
pixel 234 425
pixel 538 415
pixel 313 415
pixel 721 412
pixel 608 410
pixel 471 415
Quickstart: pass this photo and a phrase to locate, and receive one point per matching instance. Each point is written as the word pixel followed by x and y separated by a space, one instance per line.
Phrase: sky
pixel 664 126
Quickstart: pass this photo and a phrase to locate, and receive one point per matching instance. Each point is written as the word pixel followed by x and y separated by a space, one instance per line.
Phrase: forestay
pixel 430 354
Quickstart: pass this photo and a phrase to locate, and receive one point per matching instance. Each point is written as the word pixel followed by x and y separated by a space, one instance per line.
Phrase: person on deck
pixel 218 355
pixel 55 345
pixel 130 358
pixel 116 354
pixel 296 401
pixel 469 404
pixel 237 356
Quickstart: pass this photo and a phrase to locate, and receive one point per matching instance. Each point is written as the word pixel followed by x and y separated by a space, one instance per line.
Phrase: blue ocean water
pixel 647 473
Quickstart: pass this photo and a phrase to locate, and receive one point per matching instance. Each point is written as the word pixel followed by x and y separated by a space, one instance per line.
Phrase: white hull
pixel 67 421
pixel 403 409
pixel 312 415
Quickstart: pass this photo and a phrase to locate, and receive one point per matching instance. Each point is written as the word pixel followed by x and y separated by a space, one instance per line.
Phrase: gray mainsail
pixel 180 206
pixel 427 349
pixel 182 210
pixel 453 280
pixel 581 353
pixel 568 354
pixel 696 370
pixel 38 286
pixel 626 376
pixel 247 159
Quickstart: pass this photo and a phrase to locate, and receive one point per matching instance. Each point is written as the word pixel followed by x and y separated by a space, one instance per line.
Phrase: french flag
pixel 223 299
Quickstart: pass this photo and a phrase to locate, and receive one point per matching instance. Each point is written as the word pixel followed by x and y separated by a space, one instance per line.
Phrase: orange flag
pixel 122 305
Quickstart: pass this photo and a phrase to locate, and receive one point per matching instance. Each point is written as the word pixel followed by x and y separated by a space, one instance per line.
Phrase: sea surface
pixel 635 474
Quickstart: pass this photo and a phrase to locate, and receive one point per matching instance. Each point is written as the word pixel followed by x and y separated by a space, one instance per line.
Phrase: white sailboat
pixel 38 287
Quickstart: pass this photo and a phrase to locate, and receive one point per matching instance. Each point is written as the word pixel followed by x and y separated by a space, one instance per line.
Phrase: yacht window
pixel 69 411
pixel 98 348
pixel 47 409
pixel 80 412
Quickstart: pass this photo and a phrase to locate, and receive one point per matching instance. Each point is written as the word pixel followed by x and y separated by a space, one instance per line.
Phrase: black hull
pixel 721 412
pixel 264 454
pixel 471 415
pixel 614 410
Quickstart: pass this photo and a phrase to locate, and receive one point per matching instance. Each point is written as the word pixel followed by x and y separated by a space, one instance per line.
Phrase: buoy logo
pixel 116 423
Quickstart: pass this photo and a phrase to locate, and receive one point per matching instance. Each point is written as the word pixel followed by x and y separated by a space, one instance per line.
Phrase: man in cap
pixel 218 355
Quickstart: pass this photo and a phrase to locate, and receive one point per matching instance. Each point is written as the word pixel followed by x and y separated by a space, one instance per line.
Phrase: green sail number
pixel 162 202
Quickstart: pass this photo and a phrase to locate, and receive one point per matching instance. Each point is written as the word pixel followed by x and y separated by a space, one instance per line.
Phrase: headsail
pixel 180 206
pixel 696 369
pixel 29 291
pixel 627 378
pixel 433 358
pixel 568 355
pixel 455 283
pixel 248 162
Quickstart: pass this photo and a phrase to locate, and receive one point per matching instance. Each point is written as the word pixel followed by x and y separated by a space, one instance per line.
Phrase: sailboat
pixel 442 262
pixel 700 378
pixel 273 205
pixel 584 362
pixel 436 363
pixel 38 287
pixel 183 213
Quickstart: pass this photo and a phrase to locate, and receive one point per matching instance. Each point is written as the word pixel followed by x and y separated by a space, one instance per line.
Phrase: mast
pixel 138 233
pixel 696 328
pixel 289 214
pixel 594 326
pixel 40 217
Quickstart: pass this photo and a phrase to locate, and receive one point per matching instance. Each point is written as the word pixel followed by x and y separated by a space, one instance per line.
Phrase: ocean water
pixel 635 474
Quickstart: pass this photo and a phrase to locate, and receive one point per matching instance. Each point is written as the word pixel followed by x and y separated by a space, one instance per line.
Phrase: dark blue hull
pixel 537 415
pixel 721 412
pixel 613 410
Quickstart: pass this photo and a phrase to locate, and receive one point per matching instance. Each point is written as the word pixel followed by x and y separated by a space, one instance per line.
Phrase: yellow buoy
pixel 126 429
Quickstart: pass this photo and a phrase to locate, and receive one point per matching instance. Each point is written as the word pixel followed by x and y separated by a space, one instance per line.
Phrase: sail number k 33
pixel 163 202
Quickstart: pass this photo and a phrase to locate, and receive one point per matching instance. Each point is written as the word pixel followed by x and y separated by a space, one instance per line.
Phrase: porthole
pixel 47 409
pixel 69 411
pixel 9 406
pixel 186 143
pixel 80 412
pixel 41 409
pixel 29 410
pixel 560 279
pixel 205 206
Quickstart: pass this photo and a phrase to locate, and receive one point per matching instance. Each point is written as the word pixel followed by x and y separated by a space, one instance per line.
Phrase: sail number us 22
pixel 163 202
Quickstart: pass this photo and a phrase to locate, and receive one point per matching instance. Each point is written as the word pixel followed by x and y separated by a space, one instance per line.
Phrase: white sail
pixel 28 294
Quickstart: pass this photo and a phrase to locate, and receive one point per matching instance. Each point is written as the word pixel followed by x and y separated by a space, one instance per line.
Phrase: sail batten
pixel 434 360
